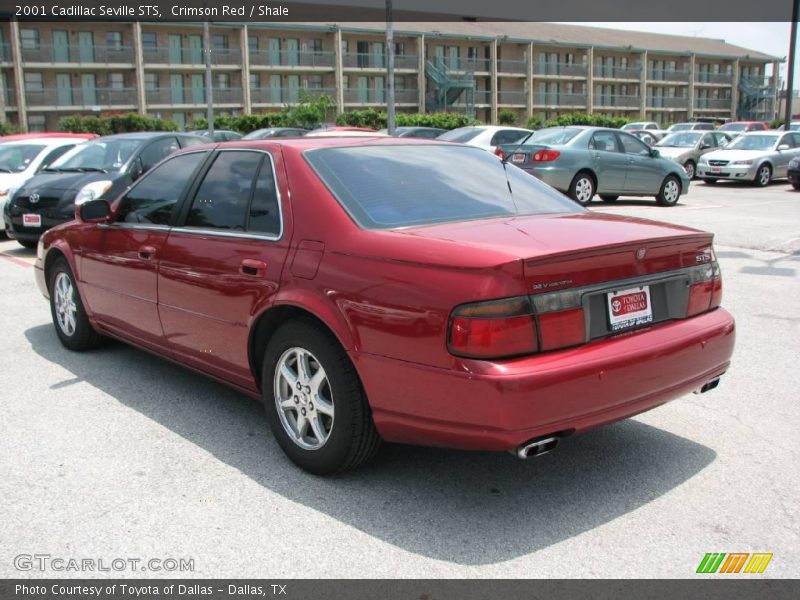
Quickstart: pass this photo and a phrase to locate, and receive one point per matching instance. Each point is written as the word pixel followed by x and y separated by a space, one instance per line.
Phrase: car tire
pixel 670 191
pixel 796 185
pixel 710 181
pixel 582 188
pixel 607 198
pixel 690 168
pixel 28 244
pixel 344 435
pixel 69 317
pixel 763 175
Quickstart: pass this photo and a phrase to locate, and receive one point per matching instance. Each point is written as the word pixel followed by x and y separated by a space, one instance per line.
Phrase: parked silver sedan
pixel 757 157
pixel 686 147
pixel 584 161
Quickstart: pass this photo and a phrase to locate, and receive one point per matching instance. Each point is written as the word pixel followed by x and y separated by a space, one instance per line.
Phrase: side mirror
pixel 136 169
pixel 94 211
pixel 654 153
pixel 783 147
pixel 705 146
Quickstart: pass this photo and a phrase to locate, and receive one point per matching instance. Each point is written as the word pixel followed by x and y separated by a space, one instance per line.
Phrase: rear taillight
pixel 496 329
pixel 500 153
pixel 517 326
pixel 545 155
pixel 705 288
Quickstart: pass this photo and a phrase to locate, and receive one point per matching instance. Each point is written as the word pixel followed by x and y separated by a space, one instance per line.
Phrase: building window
pixel 34 82
pixel 314 82
pixel 315 45
pixel 114 40
pixel 37 123
pixel 223 80
pixel 29 38
pixel 149 40
pixel 400 48
pixel 252 43
pixel 255 81
pixel 151 81
pixel 220 41
pixel 116 81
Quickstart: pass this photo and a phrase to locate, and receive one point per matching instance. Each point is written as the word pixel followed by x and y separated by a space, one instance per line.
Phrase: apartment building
pixel 49 70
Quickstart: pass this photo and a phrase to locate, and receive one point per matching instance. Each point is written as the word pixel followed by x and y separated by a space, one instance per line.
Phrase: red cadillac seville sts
pixel 386 289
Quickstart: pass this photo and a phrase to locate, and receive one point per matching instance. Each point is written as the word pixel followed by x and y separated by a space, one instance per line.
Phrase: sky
pixel 770 38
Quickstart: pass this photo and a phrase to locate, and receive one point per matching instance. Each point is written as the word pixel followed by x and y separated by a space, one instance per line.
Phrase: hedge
pixel 375 119
pixel 111 124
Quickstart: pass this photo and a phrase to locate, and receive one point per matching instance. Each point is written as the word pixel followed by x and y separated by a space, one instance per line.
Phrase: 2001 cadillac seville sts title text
pixel 372 289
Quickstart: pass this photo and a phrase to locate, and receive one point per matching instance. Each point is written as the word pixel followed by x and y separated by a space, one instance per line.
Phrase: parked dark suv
pixel 101 168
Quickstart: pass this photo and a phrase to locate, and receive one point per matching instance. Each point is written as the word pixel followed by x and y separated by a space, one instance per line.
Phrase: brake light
pixel 495 329
pixel 705 289
pixel 499 153
pixel 546 155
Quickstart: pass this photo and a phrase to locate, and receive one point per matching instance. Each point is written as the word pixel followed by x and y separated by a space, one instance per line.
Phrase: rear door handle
pixel 253 268
pixel 147 252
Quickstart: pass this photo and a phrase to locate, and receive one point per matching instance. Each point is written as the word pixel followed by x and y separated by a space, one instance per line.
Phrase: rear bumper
pixel 499 405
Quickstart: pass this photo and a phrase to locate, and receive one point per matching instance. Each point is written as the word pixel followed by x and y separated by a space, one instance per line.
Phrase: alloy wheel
pixel 64 302
pixel 303 398
pixel 671 191
pixel 584 190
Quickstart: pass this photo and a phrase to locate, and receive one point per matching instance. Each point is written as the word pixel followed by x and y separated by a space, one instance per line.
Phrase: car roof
pixel 308 143
pixel 46 141
pixel 27 136
pixel 144 135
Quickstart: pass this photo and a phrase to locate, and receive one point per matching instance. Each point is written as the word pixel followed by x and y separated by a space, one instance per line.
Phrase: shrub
pixel 507 117
pixel 108 125
pixel 377 120
pixel 534 123
pixel 7 128
pixel 586 119
pixel 777 123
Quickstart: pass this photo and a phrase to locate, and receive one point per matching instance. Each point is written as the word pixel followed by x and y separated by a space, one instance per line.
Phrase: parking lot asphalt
pixel 119 454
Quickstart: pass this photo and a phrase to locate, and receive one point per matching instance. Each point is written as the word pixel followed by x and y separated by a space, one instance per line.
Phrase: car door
pixel 645 172
pixel 119 261
pixel 781 158
pixel 224 262
pixel 708 143
pixel 608 162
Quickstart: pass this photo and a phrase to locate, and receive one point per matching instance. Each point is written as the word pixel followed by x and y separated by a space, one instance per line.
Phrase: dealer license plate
pixel 629 308
pixel 31 220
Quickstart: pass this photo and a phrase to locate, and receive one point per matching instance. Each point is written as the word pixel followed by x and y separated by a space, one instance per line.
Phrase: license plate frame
pixel 31 220
pixel 629 308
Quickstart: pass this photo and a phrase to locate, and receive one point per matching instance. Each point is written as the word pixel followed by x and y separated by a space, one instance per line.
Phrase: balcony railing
pixel 282 95
pixel 191 56
pixel 560 70
pixel 379 95
pixel 757 82
pixel 719 78
pixel 617 100
pixel 667 75
pixel 505 65
pixel 662 102
pixel 78 54
pixel 612 72
pixel 559 99
pixel 285 58
pixel 713 103
pixel 462 64
pixel 81 97
pixel 5 52
pixel 193 96
pixel 482 97
pixel 10 97
pixel 512 97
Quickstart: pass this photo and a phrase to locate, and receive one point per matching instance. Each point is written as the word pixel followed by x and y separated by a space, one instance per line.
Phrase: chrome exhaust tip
pixel 707 387
pixel 537 447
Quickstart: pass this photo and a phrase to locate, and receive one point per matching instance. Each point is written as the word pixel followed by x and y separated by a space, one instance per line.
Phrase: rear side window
pixel 633 145
pixel 605 141
pixel 222 199
pixel 264 214
pixel 507 136
pixel 152 200
pixel 54 154
pixel 384 187
pixel 157 150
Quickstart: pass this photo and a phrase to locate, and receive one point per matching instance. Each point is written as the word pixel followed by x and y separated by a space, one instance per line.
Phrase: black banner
pixel 285 11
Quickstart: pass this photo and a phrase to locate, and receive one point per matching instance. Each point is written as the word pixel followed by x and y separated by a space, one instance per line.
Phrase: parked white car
pixel 488 137
pixel 642 126
pixel 758 157
pixel 22 159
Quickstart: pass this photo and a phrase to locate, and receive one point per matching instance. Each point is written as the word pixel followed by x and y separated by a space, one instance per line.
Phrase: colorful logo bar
pixel 734 562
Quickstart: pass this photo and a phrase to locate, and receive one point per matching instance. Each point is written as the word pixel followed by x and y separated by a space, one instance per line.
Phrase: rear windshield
pixel 461 135
pixel 733 127
pixel 553 136
pixel 17 157
pixel 681 127
pixel 631 126
pixel 384 187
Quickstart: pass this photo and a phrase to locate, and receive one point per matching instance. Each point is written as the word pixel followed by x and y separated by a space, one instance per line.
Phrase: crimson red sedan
pixel 372 289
